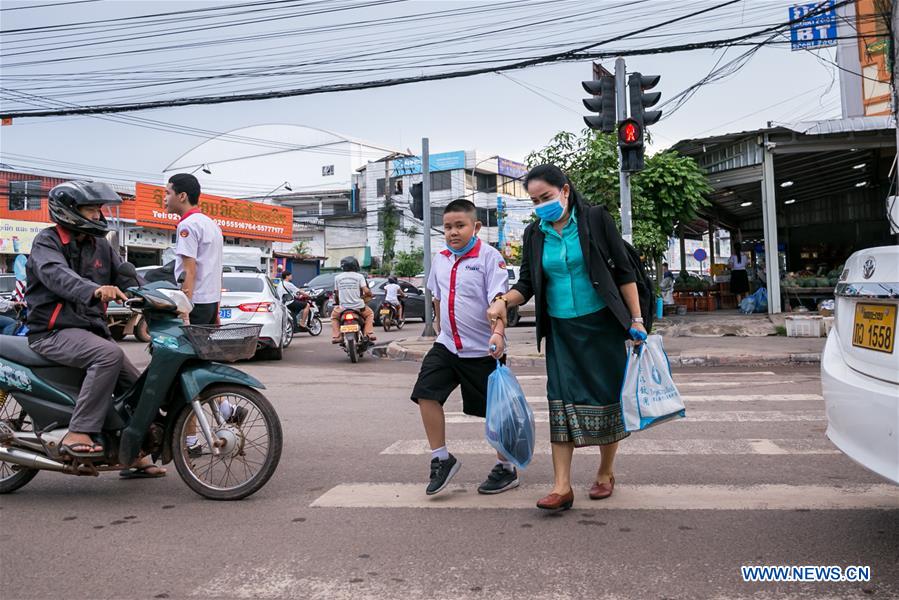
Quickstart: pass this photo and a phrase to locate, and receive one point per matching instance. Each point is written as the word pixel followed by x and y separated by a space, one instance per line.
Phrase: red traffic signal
pixel 630 134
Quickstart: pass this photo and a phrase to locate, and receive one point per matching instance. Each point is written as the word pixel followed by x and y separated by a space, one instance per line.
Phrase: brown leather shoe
pixel 601 491
pixel 557 502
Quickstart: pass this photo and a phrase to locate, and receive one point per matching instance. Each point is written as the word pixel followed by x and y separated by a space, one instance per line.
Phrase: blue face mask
pixel 551 210
pixel 466 249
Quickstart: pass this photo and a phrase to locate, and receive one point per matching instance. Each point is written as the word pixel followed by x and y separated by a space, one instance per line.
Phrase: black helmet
pixel 66 197
pixel 391 279
pixel 349 263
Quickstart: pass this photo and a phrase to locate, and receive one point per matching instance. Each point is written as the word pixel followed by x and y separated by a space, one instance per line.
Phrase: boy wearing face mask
pixel 464 278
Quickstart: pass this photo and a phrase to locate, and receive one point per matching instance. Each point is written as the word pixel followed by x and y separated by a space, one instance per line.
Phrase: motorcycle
pixel 180 392
pixel 390 316
pixel 354 343
pixel 123 322
pixel 313 324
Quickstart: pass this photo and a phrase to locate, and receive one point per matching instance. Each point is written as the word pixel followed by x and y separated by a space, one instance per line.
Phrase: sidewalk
pixel 682 351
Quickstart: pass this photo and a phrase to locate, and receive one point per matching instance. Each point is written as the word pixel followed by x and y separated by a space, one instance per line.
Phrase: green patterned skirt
pixel 585 362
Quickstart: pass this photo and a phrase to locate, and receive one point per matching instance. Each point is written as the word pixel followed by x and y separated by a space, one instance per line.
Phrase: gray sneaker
pixel 499 480
pixel 441 473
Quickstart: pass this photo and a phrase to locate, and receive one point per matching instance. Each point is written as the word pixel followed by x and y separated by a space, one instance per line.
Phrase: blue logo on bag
pixel 656 376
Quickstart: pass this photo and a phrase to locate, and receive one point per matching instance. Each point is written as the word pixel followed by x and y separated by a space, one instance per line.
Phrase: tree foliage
pixel 671 189
pixel 409 264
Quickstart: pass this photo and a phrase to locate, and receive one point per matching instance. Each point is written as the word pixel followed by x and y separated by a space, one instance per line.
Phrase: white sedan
pixel 860 364
pixel 250 298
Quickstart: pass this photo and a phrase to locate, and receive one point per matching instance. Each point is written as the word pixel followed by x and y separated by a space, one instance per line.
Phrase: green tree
pixel 301 248
pixel 669 190
pixel 409 264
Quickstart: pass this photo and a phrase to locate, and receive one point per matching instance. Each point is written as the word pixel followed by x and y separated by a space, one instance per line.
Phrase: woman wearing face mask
pixel 585 310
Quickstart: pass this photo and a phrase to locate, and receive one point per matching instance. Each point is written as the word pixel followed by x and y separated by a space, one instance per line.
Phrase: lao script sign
pixel 816 31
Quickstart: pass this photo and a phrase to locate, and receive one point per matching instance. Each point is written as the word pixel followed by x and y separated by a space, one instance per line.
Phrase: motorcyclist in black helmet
pixel 395 296
pixel 351 291
pixel 72 273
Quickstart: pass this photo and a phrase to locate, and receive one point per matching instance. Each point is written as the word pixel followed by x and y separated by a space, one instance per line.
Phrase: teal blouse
pixel 569 293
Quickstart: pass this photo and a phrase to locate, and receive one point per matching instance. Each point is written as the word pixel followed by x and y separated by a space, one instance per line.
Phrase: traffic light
pixel 640 100
pixel 630 141
pixel 631 131
pixel 417 205
pixel 602 102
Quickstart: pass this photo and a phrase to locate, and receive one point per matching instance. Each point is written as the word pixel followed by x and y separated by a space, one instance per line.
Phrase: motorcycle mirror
pixel 112 236
pixel 126 269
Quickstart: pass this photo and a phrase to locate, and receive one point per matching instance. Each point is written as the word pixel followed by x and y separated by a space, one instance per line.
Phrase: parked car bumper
pixel 862 412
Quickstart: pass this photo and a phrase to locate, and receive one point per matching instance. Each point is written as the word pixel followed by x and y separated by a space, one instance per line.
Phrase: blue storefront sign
pixel 446 161
pixel 817 31
pixel 510 168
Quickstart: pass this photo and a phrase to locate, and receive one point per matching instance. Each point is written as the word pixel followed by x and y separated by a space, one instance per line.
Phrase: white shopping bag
pixel 649 396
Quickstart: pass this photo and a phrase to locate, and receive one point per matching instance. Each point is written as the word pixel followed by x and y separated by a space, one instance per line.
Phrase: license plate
pixel 349 328
pixel 385 311
pixel 875 327
pixel 225 313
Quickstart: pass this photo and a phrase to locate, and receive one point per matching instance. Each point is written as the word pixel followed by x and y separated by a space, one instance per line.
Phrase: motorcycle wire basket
pixel 224 343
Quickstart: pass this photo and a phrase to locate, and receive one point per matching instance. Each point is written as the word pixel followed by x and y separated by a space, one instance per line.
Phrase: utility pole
pixel 624 177
pixel 426 237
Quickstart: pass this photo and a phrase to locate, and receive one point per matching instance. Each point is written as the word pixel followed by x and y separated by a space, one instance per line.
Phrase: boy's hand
pixel 499 342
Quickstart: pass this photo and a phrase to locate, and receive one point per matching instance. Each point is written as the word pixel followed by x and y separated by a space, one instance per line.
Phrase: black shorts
pixel 205 314
pixel 442 371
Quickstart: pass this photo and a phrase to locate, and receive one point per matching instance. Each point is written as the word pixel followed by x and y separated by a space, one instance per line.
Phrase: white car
pixel 251 298
pixel 860 364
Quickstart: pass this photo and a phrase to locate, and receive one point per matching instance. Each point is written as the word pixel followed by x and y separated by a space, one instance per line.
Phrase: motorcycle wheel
pixel 142 331
pixel 351 350
pixel 387 322
pixel 315 326
pixel 12 477
pixel 251 453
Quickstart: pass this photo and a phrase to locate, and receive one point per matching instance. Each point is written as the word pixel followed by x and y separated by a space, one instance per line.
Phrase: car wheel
pixel 287 334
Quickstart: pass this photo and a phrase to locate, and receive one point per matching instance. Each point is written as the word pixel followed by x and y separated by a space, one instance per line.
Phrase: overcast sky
pixel 508 115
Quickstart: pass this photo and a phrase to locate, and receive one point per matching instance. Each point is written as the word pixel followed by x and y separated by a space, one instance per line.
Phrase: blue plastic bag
pixel 648 395
pixel 756 303
pixel 510 421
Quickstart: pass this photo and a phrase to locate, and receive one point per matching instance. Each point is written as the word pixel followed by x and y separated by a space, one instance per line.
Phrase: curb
pixel 396 351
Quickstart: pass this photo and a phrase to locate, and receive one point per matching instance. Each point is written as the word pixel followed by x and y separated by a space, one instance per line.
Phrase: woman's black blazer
pixel 607 261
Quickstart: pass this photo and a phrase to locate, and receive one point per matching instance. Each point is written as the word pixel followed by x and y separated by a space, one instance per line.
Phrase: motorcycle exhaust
pixel 28 459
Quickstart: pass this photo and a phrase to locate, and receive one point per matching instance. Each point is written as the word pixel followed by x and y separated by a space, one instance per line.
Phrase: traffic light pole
pixel 426 234
pixel 624 177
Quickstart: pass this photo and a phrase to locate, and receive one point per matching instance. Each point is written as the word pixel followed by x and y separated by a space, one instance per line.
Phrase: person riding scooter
pixel 350 292
pixel 72 275
pixel 395 296
pixel 296 304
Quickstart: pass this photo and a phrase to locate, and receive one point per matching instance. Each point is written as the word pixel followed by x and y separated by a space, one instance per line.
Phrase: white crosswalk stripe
pixel 695 416
pixel 689 398
pixel 631 497
pixel 643 446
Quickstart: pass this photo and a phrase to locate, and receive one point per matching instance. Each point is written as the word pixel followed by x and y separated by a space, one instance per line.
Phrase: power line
pixel 569 55
pixel 48 5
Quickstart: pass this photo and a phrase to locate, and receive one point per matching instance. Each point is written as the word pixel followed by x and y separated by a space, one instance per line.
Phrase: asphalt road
pixel 748 479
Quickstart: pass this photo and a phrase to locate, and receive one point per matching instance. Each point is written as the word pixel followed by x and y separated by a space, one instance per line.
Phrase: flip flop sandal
pixel 68 450
pixel 142 472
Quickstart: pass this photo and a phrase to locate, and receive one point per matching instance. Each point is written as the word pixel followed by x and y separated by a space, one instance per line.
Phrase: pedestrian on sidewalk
pixel 464 278
pixel 585 307
pixel 739 280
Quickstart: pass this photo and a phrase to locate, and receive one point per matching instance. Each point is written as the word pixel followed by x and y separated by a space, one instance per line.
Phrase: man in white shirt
pixel 394 294
pixel 295 305
pixel 198 249
pixel 351 291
